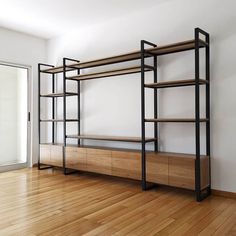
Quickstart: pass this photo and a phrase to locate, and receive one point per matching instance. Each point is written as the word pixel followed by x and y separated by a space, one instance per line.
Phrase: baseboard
pixel 223 193
pixel 35 165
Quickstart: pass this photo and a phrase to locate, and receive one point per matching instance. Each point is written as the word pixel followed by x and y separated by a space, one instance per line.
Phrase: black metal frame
pixel 39 107
pixel 154 68
pixel 65 66
pixel 200 193
pixel 65 94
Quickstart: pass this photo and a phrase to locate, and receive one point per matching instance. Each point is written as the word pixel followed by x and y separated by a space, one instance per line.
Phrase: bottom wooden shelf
pixel 173 169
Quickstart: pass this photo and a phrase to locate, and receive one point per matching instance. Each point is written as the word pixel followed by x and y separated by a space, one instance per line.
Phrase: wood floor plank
pixel 46 203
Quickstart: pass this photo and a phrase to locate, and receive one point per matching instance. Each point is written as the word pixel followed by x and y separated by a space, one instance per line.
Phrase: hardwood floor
pixel 46 202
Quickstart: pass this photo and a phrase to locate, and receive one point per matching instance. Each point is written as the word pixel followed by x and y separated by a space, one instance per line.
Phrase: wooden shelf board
pixel 110 138
pixel 135 55
pixel 58 94
pixel 176 120
pixel 58 120
pixel 167 154
pixel 177 83
pixel 103 74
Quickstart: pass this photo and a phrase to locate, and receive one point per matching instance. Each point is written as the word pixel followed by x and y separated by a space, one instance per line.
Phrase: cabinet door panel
pixel 99 161
pixel 182 172
pixel 45 154
pixel 76 158
pixel 57 155
pixel 126 164
pixel 157 168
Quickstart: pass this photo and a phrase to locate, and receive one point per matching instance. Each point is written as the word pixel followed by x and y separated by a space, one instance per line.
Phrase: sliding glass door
pixel 14 120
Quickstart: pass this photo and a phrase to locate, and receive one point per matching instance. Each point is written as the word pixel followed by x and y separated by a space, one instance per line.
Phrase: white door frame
pixel 29 123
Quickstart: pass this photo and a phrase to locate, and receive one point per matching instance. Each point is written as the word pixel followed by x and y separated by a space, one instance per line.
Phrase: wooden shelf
pixel 161 50
pixel 59 120
pixel 103 74
pixel 176 120
pixel 177 83
pixel 110 138
pixel 58 94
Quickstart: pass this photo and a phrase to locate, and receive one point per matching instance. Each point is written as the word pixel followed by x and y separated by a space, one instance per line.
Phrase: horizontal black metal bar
pixel 70 171
pixel 174 85
pixel 149 43
pixel 71 59
pixel 202 32
pixel 68 120
pixel 43 64
pixel 45 167
pixel 149 67
pixel 58 95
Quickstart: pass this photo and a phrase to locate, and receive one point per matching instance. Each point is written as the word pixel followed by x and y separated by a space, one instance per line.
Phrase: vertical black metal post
pixel 53 109
pixel 155 105
pixel 197 119
pixel 78 101
pixel 39 92
pixel 64 114
pixel 143 116
pixel 208 106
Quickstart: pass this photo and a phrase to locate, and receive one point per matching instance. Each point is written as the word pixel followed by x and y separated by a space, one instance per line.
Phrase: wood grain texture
pixel 126 164
pixel 99 161
pixel 48 203
pixel 173 169
pixel 110 73
pixel 157 168
pixel 51 154
pixel 76 158
pixel 111 138
pixel 160 50
pixel 175 83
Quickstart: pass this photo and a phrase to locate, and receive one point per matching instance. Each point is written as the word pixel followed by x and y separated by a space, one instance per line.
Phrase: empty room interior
pixel 117 117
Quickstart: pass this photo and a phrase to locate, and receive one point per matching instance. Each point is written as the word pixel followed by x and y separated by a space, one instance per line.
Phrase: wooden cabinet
pixel 99 161
pixel 76 158
pixel 51 154
pixel 182 171
pixel 172 169
pixel 126 164
pixel 157 168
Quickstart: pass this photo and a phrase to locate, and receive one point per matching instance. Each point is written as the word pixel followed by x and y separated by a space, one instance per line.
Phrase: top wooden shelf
pixel 135 55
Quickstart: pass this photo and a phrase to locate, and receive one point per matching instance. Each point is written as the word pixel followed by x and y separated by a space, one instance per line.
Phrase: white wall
pixel 27 50
pixel 112 105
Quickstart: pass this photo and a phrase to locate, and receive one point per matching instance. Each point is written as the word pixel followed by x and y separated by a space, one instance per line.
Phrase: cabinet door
pixel 126 164
pixel 157 168
pixel 99 161
pixel 57 155
pixel 45 154
pixel 182 172
pixel 76 158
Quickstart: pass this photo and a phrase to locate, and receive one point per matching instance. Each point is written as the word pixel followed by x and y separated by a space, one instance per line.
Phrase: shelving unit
pixel 181 170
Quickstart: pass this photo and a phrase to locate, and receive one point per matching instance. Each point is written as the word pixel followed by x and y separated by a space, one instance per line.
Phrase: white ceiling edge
pixel 49 19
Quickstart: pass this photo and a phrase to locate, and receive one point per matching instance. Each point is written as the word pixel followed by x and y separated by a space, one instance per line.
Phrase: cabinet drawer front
pixel 57 155
pixel 157 168
pixel 126 164
pixel 76 158
pixel 182 172
pixel 45 154
pixel 99 161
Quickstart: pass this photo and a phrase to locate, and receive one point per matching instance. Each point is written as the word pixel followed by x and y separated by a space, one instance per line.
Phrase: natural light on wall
pixel 13 115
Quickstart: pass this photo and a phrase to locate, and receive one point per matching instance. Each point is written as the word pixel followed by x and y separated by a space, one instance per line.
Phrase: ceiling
pixel 49 18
